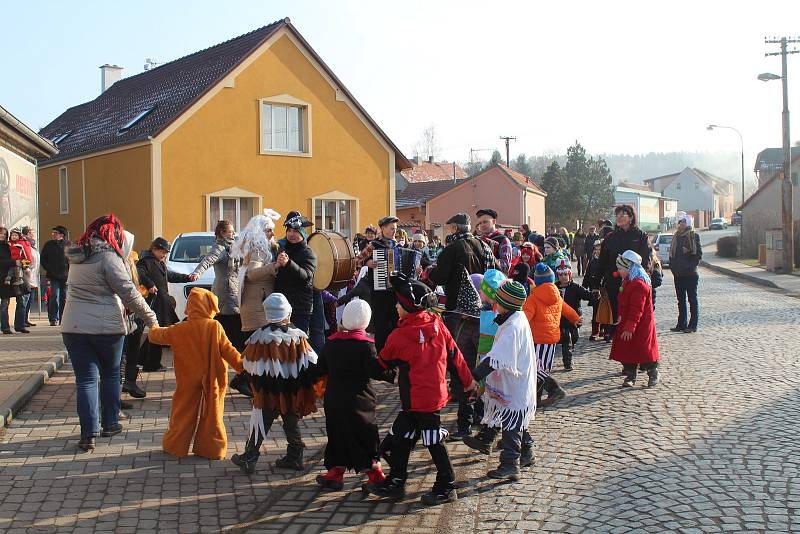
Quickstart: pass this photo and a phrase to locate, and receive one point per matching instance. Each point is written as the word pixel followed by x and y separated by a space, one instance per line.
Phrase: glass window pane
pixel 245 211
pixel 330 215
pixel 229 210
pixel 214 213
pixel 295 140
pixel 318 214
pixel 266 127
pixel 344 217
pixel 279 128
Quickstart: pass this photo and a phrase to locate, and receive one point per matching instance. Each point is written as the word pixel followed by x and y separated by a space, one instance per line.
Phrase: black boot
pixel 482 441
pixel 652 373
pixel 566 358
pixel 133 389
pixel 293 459
pixel 248 466
pixel 440 494
pixel 392 488
pixel 554 392
pixel 505 471
pixel 630 375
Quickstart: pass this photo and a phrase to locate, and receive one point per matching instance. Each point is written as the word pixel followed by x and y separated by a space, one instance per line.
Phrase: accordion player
pixel 392 261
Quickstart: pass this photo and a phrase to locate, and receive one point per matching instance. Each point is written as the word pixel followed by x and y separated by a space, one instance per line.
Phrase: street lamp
pixel 787 218
pixel 710 127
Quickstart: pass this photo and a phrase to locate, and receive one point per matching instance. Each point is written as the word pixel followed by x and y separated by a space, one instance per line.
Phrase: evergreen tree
pixel 520 164
pixel 497 158
pixel 552 183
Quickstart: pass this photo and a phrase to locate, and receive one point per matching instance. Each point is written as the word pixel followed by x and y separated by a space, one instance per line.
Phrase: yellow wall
pixel 218 148
pixel 117 182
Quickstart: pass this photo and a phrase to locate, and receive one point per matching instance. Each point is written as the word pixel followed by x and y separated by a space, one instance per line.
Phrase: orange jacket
pixel 544 308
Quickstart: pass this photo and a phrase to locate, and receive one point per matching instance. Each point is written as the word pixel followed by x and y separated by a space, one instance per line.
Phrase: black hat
pixel 412 295
pixel 161 243
pixel 60 229
pixel 487 211
pixel 459 218
pixel 295 220
pixel 389 219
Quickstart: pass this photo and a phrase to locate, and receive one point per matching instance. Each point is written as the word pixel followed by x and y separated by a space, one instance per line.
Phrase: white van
pixel 662 244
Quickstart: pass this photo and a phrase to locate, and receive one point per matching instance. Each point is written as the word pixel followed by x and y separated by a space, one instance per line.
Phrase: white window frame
pixel 236 194
pixel 305 124
pixel 63 191
pixel 337 196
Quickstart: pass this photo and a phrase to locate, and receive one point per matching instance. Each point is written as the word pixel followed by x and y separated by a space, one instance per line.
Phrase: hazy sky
pixel 620 77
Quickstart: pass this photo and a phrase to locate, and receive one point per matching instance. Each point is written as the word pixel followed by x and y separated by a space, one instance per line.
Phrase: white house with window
pixel 696 190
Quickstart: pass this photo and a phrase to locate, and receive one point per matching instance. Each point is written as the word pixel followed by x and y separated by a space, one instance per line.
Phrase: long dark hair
pixel 626 208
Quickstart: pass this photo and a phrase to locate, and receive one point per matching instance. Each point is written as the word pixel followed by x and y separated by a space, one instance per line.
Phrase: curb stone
pixel 742 276
pixel 11 406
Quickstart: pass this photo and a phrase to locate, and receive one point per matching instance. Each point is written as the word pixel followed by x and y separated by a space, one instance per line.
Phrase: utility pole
pixel 787 199
pixel 507 139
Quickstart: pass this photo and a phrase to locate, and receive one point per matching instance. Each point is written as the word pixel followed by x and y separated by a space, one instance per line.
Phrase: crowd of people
pixel 486 309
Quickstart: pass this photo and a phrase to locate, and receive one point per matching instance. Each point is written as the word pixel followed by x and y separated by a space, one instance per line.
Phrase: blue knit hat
pixel 543 275
pixel 492 280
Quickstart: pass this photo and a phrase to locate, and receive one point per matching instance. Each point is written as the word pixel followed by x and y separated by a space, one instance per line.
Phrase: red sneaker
pixel 332 480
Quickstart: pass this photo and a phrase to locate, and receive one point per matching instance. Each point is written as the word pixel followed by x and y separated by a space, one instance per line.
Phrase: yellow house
pixel 258 121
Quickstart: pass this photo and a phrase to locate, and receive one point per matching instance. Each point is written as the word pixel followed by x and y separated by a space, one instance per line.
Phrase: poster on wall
pixel 17 190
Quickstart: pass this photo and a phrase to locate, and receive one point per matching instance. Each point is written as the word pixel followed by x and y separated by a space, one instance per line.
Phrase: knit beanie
pixel 277 308
pixel 543 275
pixel 356 315
pixel 511 296
pixel 553 242
pixel 476 279
pixel 492 280
pixel 564 268
pixel 521 272
pixel 628 258
pixel 412 295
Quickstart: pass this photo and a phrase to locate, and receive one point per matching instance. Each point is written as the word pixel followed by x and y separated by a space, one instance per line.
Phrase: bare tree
pixel 428 144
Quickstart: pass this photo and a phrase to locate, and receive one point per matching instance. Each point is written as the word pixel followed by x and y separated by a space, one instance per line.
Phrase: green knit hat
pixel 492 280
pixel 511 296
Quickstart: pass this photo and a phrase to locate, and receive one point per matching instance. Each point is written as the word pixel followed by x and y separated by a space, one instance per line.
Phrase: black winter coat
pixel 153 273
pixel 6 264
pixel 471 253
pixel 574 294
pixel 615 244
pixel 53 260
pixel 296 279
pixel 350 402
pixel 593 278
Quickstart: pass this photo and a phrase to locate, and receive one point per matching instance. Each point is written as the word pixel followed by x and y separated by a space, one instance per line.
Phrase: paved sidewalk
pixel 757 275
pixel 26 361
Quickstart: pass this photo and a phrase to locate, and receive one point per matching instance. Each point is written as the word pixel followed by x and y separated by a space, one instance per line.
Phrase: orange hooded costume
pixel 201 355
pixel 544 308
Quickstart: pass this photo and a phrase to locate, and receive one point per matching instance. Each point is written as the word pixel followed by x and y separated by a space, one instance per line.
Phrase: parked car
pixel 718 224
pixel 187 251
pixel 661 245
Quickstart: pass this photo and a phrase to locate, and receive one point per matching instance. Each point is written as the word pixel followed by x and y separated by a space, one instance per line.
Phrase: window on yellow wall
pixel 282 128
pixel 237 210
pixel 334 215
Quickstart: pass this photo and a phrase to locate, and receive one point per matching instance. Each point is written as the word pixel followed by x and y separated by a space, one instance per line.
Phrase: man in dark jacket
pixel 154 276
pixel 465 252
pixel 685 254
pixel 296 266
pixel 54 262
pixel 625 236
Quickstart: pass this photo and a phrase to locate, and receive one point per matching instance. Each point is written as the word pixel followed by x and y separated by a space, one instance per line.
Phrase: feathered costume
pixel 278 358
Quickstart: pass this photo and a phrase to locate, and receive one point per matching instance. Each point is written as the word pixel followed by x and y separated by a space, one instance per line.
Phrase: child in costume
pixel 422 348
pixel 572 294
pixel 510 373
pixel 201 355
pixel 544 308
pixel 349 360
pixel 635 344
pixel 280 363
pixel 593 281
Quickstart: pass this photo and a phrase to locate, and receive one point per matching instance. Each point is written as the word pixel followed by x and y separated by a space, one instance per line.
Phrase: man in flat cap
pixel 497 240
pixel 464 255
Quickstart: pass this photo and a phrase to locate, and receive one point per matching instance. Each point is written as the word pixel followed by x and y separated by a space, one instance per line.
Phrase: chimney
pixel 109 75
pixel 416 159
pixel 430 159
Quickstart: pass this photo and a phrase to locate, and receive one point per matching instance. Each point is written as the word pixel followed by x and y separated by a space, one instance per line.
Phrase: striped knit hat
pixel 543 275
pixel 628 258
pixel 492 280
pixel 511 296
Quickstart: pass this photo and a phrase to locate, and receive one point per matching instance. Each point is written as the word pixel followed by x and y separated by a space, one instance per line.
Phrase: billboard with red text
pixel 17 190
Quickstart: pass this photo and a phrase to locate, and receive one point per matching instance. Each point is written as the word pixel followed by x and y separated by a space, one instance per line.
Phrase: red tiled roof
pixel 418 193
pixel 170 90
pixel 425 171
pixel 521 179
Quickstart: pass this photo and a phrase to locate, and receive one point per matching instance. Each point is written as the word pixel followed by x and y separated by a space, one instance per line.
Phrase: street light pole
pixel 741 152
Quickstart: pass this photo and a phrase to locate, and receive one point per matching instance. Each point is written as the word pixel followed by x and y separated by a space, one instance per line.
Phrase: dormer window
pixel 60 137
pixel 139 116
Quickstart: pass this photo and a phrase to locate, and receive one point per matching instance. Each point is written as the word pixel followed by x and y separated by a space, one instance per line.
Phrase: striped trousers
pixel 544 360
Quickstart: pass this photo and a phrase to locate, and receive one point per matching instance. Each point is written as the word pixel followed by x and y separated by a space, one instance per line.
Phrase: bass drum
pixel 335 260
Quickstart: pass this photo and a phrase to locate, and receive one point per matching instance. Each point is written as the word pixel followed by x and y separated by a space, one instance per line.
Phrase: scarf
pixel 359 335
pixel 688 243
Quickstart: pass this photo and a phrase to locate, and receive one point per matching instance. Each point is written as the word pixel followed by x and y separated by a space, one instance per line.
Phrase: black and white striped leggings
pixel 544 360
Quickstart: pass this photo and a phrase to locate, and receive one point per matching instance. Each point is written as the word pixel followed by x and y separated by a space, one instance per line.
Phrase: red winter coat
pixel 636 315
pixel 421 348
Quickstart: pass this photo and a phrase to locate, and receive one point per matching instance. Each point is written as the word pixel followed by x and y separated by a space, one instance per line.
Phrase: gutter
pixel 47 146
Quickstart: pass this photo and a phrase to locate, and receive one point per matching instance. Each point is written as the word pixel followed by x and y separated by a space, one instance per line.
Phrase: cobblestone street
pixel 712 449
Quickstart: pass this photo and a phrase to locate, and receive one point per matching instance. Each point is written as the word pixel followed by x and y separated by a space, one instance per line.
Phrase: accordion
pixel 392 261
